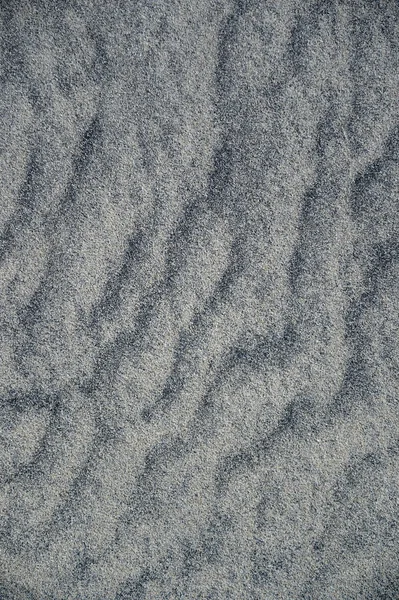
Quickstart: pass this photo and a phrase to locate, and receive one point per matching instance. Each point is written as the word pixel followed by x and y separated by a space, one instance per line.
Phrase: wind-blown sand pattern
pixel 199 294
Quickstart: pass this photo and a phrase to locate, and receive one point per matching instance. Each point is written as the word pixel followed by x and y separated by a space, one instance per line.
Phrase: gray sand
pixel 199 294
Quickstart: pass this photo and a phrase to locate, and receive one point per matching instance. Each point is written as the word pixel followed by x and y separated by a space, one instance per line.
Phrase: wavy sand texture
pixel 199 296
